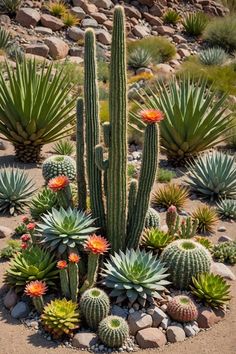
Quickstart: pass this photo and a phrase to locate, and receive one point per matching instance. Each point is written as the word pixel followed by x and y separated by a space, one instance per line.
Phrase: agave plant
pixel 35 108
pixel 170 194
pixel 134 275
pixel 60 317
pixel 194 119
pixel 63 230
pixel 226 208
pixel 139 58
pixel 195 23
pixel 212 289
pixel 64 147
pixel 156 239
pixel 16 189
pixel 213 175
pixel 34 263
pixel 212 56
pixel 43 202
pixel 207 219
pixel 225 252
pixel 4 38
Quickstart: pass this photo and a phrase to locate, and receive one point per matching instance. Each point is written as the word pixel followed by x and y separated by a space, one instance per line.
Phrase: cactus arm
pixel 81 180
pixel 101 163
pixel 116 175
pixel 146 181
pixel 132 198
pixel 73 273
pixel 92 128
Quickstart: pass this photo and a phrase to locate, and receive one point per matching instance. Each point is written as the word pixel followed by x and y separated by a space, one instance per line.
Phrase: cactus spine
pixel 92 128
pixel 73 274
pixel 113 331
pixel 81 180
pixel 95 306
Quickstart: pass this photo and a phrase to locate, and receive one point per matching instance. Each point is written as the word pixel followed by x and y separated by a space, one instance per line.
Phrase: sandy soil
pixel 15 338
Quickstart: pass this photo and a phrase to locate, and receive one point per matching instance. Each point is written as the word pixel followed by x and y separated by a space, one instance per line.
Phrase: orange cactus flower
pixel 36 288
pixel 58 183
pixel 97 244
pixel 74 258
pixel 151 116
pixel 61 264
pixel 31 226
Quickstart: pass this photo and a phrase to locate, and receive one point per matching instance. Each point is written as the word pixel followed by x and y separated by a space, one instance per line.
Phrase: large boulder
pixel 51 22
pixel 150 338
pixel 27 17
pixel 37 49
pixel 58 49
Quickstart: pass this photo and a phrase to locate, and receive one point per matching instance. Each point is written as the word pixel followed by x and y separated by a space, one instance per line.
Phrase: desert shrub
pixel 164 176
pixel 12 247
pixel 160 48
pixel 222 32
pixel 230 4
pixel 171 17
pixel 73 72
pixel 69 19
pixel 212 56
pixel 104 111
pixel 131 170
pixel 139 58
pixel 225 252
pixel 11 6
pixel 207 219
pixel 195 23
pixel 57 8
pixel 170 194
pixel 103 71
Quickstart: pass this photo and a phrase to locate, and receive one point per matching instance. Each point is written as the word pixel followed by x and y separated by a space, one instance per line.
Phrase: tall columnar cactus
pixel 92 128
pixel 81 180
pixel 95 306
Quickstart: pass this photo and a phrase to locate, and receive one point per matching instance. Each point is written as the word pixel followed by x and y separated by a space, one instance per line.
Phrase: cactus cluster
pixel 107 177
pixel 182 309
pixel 94 306
pixel 185 259
pixel 225 252
pixel 59 165
pixel 113 331
pixel 185 228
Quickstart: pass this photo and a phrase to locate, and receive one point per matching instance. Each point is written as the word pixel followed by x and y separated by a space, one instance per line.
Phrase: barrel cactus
pixel 182 309
pixel 152 219
pixel 113 331
pixel 185 259
pixel 59 165
pixel 94 306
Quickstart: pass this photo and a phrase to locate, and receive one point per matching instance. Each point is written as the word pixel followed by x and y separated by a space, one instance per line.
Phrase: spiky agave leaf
pixel 212 289
pixel 60 317
pixel 63 230
pixel 194 120
pixel 226 208
pixel 134 275
pixel 213 175
pixel 16 189
pixel 33 263
pixel 212 56
pixel 43 202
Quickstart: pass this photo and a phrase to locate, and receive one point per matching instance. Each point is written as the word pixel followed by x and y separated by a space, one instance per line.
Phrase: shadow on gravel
pixel 38 341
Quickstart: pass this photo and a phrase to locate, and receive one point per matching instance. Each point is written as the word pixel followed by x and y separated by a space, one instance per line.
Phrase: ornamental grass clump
pixel 134 276
pixel 195 23
pixel 170 194
pixel 207 219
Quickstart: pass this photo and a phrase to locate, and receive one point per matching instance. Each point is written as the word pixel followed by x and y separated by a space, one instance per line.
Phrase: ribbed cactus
pixel 182 309
pixel 59 165
pixel 92 128
pixel 92 272
pixel 81 180
pixel 113 331
pixel 188 228
pixel 95 306
pixel 185 259
pixel 172 220
pixel 73 275
pixel 64 281
pixel 152 219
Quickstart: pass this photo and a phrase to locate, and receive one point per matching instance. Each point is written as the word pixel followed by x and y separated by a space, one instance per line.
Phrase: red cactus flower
pixel 24 245
pixel 151 116
pixel 61 264
pixel 96 244
pixel 25 219
pixel 172 209
pixel 74 258
pixel 31 226
pixel 25 238
pixel 58 183
pixel 36 288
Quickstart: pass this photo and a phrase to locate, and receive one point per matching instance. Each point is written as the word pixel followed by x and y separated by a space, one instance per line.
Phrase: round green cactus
pixel 152 219
pixel 59 165
pixel 185 259
pixel 94 306
pixel 113 331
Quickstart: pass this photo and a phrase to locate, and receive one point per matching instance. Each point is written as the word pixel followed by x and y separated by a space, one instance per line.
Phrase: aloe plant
pixel 195 119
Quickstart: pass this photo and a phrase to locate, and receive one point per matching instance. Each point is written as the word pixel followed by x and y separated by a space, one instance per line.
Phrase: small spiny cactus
pixel 113 331
pixel 182 309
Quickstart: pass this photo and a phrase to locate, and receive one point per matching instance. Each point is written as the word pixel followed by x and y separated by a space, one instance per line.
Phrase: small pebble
pixel 221 229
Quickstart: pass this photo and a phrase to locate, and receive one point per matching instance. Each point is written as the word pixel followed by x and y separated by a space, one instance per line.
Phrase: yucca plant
pixel 43 202
pixel 11 6
pixel 16 189
pixel 195 23
pixel 57 8
pixel 64 147
pixel 35 108
pixel 225 252
pixel 212 289
pixel 69 19
pixel 64 230
pixel 34 263
pixel 135 276
pixel 226 208
pixel 212 56
pixel 171 17
pixel 60 317
pixel 170 194
pixel 207 219
pixel 213 175
pixel 4 38
pixel 156 239
pixel 194 119
pixel 139 58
